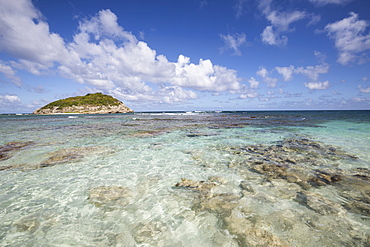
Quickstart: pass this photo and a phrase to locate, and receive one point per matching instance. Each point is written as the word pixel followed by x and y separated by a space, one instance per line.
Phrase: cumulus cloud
pixel 317 85
pixel 271 37
pixel 106 57
pixel 286 72
pixel 252 94
pixel 10 73
pixel 26 36
pixel 364 90
pixel 312 72
pixel 282 20
pixel 253 83
pixel 9 99
pixel 280 23
pixel 234 42
pixel 264 73
pixel 204 76
pixel 168 95
pixel 350 38
pixel 104 24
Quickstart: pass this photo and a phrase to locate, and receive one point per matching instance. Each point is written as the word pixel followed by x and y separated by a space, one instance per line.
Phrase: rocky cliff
pixel 97 103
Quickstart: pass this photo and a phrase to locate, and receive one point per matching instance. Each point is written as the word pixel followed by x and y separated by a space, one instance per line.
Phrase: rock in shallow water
pixel 73 154
pixel 294 160
pixel 356 191
pixel 110 196
pixel 228 207
pixel 201 186
pixel 27 224
pixel 319 204
pixel 6 149
pixel 301 166
pixel 251 232
pixel 149 232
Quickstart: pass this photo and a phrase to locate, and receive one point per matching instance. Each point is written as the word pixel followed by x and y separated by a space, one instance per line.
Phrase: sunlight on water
pixel 186 179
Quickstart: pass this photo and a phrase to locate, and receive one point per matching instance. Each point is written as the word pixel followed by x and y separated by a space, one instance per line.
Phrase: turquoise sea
pixel 295 178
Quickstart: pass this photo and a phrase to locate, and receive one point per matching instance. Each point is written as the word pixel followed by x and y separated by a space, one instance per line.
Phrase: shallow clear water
pixel 250 179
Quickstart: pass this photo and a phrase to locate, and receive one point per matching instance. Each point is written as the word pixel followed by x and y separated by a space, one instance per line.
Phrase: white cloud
pixel 357 99
pixel 350 38
pixel 9 101
pixel 105 56
pixel 334 92
pixel 10 98
pixel 253 83
pixel 364 90
pixel 314 19
pixel 320 56
pixel 168 95
pixel 312 72
pixel 282 20
pixel 271 82
pixel 205 76
pixel 26 36
pixel 286 72
pixel 271 37
pixel 325 2
pixel 280 23
pixel 248 95
pixel 175 94
pixel 234 42
pixel 317 85
pixel 239 7
pixel 104 24
pixel 10 73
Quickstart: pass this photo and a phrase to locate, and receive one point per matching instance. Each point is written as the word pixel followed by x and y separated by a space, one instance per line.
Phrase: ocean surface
pixel 295 178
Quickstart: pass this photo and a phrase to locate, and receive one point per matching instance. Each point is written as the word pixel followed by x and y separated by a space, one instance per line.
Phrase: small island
pixel 96 103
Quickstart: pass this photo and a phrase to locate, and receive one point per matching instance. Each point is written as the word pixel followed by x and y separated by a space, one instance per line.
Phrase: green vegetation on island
pixel 96 99
pixel 96 103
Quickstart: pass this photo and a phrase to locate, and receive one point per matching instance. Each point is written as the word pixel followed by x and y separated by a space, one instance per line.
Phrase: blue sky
pixel 187 54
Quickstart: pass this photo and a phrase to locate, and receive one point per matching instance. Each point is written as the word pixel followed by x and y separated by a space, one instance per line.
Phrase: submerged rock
pixel 27 224
pixel 221 203
pixel 73 154
pixel 62 156
pixel 22 167
pixel 110 196
pixel 356 191
pixel 256 213
pixel 319 204
pixel 294 160
pixel 252 231
pixel 147 233
pixel 201 186
pixel 229 208
pixel 257 219
pixel 6 149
